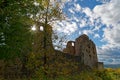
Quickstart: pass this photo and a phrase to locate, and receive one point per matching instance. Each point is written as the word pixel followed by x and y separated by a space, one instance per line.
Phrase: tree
pixel 16 19
pixel 15 22
pixel 50 12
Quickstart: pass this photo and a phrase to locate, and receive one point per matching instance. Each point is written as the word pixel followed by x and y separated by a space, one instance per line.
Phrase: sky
pixel 100 20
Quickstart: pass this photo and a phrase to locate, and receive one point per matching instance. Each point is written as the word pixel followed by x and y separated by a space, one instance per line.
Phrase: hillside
pixel 112 65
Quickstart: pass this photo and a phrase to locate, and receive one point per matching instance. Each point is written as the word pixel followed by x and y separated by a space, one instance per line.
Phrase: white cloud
pixel 109 12
pixel 103 1
pixel 90 18
pixel 88 12
pixel 87 32
pixel 77 7
pixel 97 28
pixel 111 35
pixel 76 19
pixel 83 23
pixel 96 36
pixel 108 55
pixel 70 27
pixel 71 10
pixel 65 27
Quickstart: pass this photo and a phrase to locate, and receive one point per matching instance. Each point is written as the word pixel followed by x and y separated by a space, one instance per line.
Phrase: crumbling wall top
pixel 70 43
pixel 82 37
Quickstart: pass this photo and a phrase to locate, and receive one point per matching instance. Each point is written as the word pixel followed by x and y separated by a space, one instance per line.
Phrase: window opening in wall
pixel 88 46
pixel 90 56
pixel 73 44
pixel 41 28
pixel 87 50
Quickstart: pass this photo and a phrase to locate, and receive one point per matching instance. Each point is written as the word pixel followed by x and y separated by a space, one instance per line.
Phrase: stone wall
pixel 100 65
pixel 85 48
pixel 80 44
pixel 38 38
pixel 70 48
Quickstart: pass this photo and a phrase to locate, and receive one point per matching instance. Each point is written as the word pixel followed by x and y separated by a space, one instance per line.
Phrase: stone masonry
pixel 70 48
pixel 86 49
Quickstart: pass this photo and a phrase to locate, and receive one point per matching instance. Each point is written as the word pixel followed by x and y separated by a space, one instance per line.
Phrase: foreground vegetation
pixel 58 68
pixel 106 74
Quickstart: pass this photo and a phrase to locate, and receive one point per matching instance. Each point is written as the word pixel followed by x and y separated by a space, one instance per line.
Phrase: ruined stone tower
pixel 38 38
pixel 70 48
pixel 85 48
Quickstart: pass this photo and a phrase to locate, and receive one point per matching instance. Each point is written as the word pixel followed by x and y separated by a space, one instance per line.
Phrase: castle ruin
pixel 85 49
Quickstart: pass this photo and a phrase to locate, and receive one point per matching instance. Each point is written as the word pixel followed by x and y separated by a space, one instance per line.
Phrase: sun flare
pixel 33 28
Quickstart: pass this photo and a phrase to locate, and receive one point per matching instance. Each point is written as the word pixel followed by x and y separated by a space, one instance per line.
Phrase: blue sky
pixel 100 20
